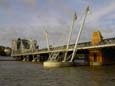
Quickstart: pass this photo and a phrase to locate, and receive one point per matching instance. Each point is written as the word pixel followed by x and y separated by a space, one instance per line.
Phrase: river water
pixel 15 73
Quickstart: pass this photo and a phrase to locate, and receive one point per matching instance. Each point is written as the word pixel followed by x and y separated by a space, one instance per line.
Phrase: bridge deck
pixel 81 46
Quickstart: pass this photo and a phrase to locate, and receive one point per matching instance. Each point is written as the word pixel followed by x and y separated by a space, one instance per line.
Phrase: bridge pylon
pixel 95 55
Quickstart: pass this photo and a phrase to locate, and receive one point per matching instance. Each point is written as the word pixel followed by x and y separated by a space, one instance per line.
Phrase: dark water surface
pixel 14 73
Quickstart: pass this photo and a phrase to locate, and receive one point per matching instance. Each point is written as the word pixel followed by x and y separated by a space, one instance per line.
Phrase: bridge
pixel 110 42
pixel 94 49
pixel 96 52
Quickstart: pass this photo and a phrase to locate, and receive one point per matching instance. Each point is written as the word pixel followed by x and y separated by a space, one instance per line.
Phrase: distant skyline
pixel 30 19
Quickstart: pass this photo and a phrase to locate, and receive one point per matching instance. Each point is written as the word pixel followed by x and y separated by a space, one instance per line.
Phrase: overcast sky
pixel 30 18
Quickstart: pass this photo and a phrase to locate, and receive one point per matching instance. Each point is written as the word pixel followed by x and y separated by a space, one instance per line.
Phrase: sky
pixel 31 18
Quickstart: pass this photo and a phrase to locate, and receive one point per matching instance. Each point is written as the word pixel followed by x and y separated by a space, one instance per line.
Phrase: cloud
pixel 29 3
pixel 33 26
pixel 5 6
pixel 99 14
pixel 33 17
pixel 102 19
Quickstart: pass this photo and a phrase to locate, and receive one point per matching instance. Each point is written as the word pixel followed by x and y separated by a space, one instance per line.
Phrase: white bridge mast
pixel 47 40
pixel 78 36
pixel 69 37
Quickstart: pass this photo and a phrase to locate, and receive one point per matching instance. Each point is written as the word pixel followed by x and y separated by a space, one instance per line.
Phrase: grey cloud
pixel 5 4
pixel 56 21
pixel 29 3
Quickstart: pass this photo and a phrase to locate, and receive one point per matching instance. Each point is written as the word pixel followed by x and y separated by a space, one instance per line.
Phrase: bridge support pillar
pixel 19 58
pixel 27 58
pixel 38 58
pixel 34 59
pixel 24 59
pixel 95 57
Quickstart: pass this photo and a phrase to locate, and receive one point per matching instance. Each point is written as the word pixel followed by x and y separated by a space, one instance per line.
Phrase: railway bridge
pixel 98 51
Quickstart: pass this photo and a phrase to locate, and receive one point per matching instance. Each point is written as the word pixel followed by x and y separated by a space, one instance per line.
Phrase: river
pixel 15 73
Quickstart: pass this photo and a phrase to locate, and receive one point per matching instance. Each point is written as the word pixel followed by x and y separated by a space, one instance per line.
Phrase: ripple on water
pixel 14 73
